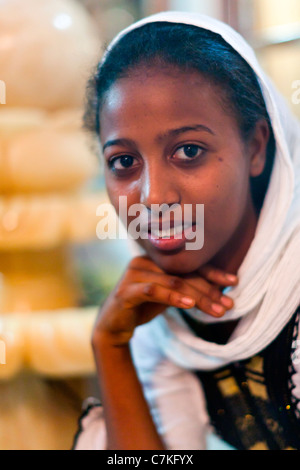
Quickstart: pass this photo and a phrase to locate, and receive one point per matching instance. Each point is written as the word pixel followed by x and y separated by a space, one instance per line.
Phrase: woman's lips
pixel 170 239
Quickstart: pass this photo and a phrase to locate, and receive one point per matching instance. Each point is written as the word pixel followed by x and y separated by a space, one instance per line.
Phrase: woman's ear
pixel 257 147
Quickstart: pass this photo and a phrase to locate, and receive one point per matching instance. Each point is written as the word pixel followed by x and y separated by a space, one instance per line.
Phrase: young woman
pixel 194 337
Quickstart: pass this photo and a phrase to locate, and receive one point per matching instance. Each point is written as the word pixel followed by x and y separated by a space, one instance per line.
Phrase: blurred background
pixel 54 271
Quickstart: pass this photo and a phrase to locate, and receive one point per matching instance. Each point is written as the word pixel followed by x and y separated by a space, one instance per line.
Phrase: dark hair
pixel 189 48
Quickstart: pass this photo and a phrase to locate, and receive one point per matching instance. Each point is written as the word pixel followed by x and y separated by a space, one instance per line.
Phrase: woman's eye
pixel 189 152
pixel 185 153
pixel 121 163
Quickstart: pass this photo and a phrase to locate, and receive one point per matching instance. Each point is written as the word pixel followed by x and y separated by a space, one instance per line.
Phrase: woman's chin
pixel 182 262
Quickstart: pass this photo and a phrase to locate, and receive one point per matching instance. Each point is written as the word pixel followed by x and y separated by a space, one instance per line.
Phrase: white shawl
pixel 268 292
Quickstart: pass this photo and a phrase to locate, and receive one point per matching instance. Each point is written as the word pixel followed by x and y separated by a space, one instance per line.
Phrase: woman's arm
pixel 144 292
pixel 128 420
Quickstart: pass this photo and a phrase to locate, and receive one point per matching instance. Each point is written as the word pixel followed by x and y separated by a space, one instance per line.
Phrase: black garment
pixel 250 402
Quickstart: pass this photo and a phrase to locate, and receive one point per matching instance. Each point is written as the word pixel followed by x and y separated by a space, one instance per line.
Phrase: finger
pixel 206 296
pixel 213 274
pixel 175 283
pixel 212 290
pixel 136 293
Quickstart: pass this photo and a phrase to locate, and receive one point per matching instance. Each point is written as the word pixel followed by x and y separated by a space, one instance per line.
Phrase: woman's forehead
pixel 159 108
pixel 162 96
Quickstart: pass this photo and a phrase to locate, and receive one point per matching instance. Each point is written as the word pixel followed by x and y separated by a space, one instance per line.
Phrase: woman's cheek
pixel 222 211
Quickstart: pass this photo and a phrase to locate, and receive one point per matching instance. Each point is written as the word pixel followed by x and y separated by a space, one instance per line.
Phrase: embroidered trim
pixel 250 402
pixel 87 405
pixel 295 402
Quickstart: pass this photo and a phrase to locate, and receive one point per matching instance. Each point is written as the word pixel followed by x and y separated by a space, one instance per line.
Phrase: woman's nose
pixel 158 186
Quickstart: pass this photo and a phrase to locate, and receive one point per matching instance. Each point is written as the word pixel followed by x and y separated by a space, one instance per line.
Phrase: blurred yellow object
pixel 277 32
pixel 26 285
pixel 282 62
pixel 44 221
pixel 47 160
pixel 16 120
pixel 52 344
pixel 58 344
pixel 39 414
pixel 46 51
pixel 271 13
pixel 12 335
pixel 45 153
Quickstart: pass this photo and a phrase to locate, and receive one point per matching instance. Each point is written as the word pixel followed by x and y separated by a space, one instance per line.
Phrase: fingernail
pixel 187 301
pixel 231 277
pixel 226 301
pixel 217 308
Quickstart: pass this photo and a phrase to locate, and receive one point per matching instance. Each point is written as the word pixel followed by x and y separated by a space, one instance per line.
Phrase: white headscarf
pixel 268 292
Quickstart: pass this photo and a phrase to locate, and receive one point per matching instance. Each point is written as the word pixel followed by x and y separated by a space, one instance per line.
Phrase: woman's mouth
pixel 171 238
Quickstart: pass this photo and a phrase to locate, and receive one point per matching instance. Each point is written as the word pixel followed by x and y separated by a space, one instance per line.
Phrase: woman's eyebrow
pixel 162 136
pixel 180 130
pixel 121 141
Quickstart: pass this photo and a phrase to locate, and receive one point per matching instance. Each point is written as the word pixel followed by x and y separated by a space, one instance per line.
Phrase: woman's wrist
pixel 103 341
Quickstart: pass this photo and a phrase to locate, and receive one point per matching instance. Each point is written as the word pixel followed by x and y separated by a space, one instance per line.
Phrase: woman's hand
pixel 145 291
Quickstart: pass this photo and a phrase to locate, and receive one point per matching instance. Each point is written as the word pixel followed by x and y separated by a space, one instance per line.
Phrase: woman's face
pixel 167 139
